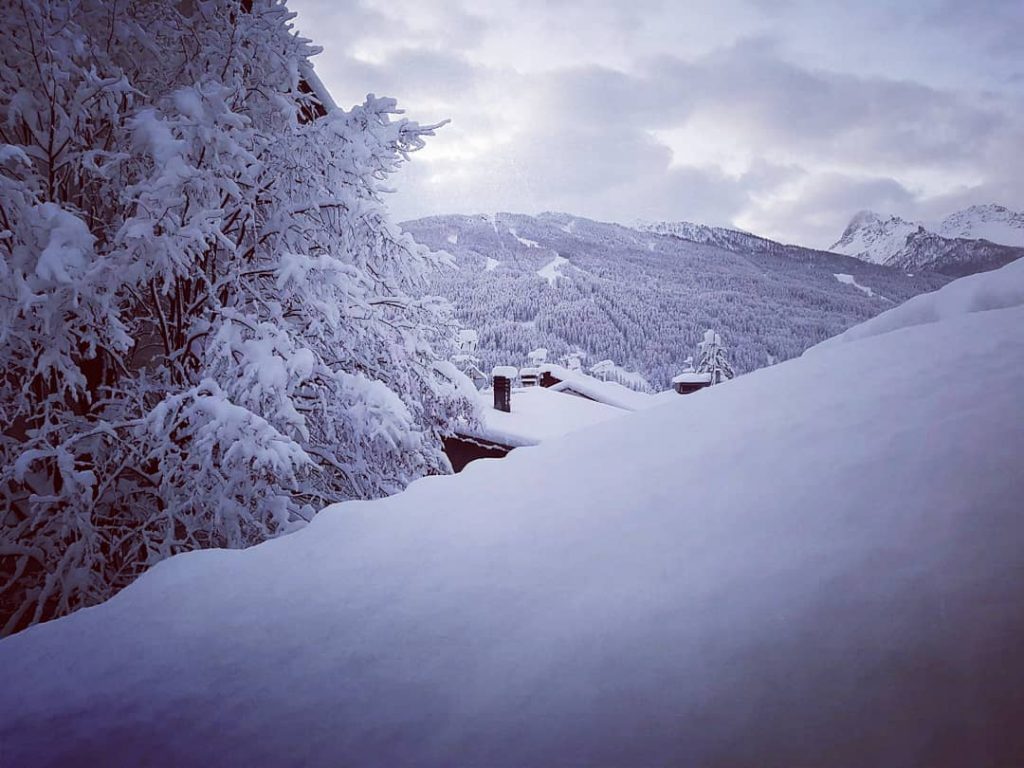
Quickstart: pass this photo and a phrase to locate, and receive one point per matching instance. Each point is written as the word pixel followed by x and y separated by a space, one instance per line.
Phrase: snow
pixel 608 392
pixel 692 378
pixel 525 241
pixel 722 237
pixel 453 238
pixel 615 282
pixel 69 244
pixel 954 247
pixel 538 414
pixel 468 338
pixel 849 280
pixel 997 231
pixel 1000 232
pixel 985 291
pixel 317 86
pixel 817 563
pixel 490 263
pixel 874 238
pixel 994 223
pixel 207 322
pixel 553 269
pixel 505 371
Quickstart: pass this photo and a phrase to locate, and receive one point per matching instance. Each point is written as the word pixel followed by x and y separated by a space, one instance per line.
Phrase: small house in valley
pixel 691 381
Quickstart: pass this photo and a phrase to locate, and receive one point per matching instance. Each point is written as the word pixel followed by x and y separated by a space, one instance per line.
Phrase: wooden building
pixel 691 381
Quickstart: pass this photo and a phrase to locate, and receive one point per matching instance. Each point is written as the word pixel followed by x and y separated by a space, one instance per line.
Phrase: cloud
pixel 783 118
pixel 822 203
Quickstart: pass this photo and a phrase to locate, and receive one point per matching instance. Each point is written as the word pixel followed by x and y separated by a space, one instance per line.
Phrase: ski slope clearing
pixel 849 280
pixel 553 269
pixel 819 563
pixel 523 240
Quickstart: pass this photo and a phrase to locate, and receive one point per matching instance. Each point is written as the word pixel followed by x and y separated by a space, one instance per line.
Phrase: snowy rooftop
pixel 692 378
pixel 608 392
pixel 539 414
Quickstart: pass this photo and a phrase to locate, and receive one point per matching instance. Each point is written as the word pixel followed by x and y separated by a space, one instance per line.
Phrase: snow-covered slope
pixel 976 239
pixel 723 237
pixel 986 222
pixel 820 563
pixel 974 293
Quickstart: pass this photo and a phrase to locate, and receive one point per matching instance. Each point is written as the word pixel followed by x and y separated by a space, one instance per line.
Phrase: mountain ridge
pixel 975 239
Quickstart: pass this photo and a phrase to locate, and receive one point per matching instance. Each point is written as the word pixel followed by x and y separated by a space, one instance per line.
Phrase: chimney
pixel 502 377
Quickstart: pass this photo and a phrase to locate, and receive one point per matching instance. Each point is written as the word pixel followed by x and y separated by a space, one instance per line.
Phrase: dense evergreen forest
pixel 644 299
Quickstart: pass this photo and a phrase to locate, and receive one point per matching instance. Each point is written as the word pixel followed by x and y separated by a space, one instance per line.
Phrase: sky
pixel 780 117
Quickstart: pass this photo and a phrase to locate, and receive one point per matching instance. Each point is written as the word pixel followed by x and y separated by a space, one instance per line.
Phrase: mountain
pixel 818 564
pixel 644 297
pixel 735 240
pixel 989 222
pixel 875 238
pixel 966 241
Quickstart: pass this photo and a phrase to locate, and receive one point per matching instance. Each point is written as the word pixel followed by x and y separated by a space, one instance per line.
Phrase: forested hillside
pixel 644 299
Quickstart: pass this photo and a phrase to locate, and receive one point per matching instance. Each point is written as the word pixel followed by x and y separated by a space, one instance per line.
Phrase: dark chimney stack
pixel 502 377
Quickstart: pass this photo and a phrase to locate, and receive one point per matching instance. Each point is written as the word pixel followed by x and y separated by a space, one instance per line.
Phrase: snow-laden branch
pixel 205 325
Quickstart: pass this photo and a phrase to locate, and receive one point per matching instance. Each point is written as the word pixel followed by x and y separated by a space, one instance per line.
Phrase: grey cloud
pixel 829 114
pixel 827 203
pixel 825 140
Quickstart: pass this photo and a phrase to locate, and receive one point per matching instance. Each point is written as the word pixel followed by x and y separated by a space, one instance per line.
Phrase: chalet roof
pixel 537 415
pixel 607 392
pixel 692 377
pixel 542 413
pixel 318 89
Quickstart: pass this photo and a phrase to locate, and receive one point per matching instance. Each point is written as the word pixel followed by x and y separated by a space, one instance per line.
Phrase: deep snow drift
pixel 974 293
pixel 820 563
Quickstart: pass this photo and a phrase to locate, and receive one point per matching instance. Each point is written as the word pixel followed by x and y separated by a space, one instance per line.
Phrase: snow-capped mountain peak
pixel 992 222
pixel 872 237
pixel 975 239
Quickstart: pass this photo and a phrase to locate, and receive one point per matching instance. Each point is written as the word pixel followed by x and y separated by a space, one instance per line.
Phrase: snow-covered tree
pixel 466 359
pixel 206 330
pixel 712 358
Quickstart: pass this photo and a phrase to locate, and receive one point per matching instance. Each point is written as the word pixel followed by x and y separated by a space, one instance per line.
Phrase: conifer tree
pixel 712 358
